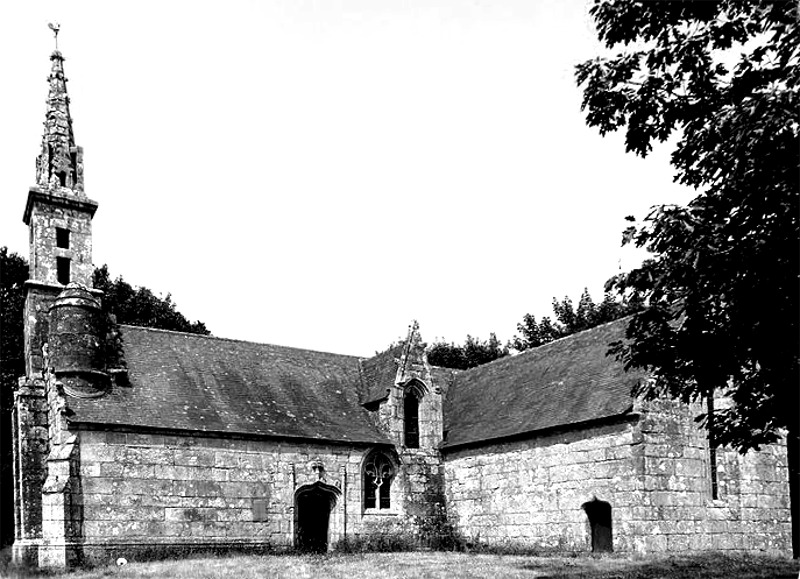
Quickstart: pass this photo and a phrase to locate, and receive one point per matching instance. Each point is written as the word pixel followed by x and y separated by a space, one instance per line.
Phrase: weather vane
pixel 55 27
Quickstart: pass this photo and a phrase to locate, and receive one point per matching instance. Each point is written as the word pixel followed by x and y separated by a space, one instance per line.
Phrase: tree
pixel 13 273
pixel 140 307
pixel 474 352
pixel 570 320
pixel 722 285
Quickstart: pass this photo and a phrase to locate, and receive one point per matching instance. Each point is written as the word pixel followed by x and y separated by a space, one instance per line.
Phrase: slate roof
pixel 565 382
pixel 192 382
pixel 379 373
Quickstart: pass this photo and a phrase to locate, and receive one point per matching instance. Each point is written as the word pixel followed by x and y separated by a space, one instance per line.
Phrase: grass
pixel 435 565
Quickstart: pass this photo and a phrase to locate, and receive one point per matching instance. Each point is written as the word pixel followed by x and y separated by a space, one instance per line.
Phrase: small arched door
pixel 599 514
pixel 313 506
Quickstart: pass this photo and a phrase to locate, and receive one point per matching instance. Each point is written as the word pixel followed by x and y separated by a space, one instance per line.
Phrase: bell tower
pixel 59 219
pixel 58 215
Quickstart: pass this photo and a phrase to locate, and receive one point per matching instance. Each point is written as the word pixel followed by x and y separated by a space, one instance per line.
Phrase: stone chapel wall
pixel 654 473
pixel 159 493
pixel 529 493
pixel 678 513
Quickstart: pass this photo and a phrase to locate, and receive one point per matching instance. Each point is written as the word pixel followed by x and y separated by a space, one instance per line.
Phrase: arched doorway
pixel 313 506
pixel 599 514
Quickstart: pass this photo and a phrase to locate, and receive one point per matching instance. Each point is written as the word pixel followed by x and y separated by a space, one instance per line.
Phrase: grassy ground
pixel 442 565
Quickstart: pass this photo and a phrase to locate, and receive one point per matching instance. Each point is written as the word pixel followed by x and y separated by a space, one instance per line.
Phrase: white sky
pixel 319 173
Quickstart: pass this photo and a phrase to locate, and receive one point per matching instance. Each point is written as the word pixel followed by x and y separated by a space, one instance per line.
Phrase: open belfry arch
pixel 138 442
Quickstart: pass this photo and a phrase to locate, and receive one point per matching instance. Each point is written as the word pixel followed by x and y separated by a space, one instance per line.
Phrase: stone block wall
pixel 679 514
pixel 194 491
pixel 38 299
pixel 152 494
pixel 45 218
pixel 654 471
pixel 530 493
pixel 30 448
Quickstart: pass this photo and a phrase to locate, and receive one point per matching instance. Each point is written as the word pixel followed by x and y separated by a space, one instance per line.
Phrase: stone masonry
pixel 422 469
pixel 654 472
pixel 173 493
pixel 530 493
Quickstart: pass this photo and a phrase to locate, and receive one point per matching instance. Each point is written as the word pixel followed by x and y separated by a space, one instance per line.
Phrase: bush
pixel 385 535
pixel 436 532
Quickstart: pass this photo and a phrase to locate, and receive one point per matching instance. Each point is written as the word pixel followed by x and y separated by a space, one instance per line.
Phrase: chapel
pixel 138 442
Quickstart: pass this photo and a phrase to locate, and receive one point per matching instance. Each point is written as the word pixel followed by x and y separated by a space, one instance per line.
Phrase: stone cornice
pixel 35 194
pixel 56 288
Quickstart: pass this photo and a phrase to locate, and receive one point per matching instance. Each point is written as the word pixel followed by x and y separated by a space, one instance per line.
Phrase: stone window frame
pixel 418 390
pixel 389 460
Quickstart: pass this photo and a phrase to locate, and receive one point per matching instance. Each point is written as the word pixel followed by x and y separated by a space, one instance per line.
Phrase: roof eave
pixel 236 434
pixel 626 415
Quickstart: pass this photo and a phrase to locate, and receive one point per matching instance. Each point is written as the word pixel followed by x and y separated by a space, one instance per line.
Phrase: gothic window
pixel 62 238
pixel 411 419
pixel 62 270
pixel 378 474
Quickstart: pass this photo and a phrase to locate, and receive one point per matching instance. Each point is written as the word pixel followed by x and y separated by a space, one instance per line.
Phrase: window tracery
pixel 378 475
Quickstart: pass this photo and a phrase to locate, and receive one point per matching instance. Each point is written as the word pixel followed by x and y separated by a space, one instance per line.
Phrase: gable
pixel 199 383
pixel 562 383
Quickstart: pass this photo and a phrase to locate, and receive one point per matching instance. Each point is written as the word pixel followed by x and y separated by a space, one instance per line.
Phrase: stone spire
pixel 60 164
pixel 57 212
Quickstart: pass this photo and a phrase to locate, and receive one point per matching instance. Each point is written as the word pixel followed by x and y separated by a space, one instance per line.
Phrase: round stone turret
pixel 76 343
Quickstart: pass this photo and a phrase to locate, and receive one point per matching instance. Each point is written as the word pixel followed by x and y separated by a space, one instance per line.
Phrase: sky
pixel 320 173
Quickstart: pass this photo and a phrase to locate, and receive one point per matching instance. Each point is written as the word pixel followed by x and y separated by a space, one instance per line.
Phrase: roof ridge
pixel 211 337
pixel 542 346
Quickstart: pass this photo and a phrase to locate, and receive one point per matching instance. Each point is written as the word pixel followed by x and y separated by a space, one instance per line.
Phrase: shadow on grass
pixel 707 566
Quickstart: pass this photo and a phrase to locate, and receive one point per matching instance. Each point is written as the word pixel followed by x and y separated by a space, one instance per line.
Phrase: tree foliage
pixel 13 273
pixel 473 352
pixel 722 286
pixel 569 320
pixel 140 307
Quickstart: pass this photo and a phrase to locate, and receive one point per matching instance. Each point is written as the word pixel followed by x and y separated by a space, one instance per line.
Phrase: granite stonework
pixel 422 468
pixel 31 443
pixel 146 494
pixel 177 491
pixel 531 492
pixel 51 210
pixel 652 468
pixel 751 512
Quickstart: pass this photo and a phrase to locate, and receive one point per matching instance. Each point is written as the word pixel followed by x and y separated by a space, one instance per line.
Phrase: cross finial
pixel 55 27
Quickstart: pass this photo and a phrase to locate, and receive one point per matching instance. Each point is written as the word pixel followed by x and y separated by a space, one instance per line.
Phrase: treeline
pixel 567 320
pixel 139 306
